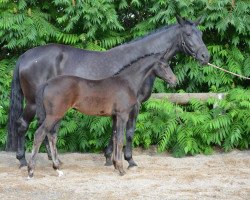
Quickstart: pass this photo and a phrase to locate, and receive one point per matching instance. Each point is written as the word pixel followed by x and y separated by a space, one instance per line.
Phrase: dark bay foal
pixel 115 96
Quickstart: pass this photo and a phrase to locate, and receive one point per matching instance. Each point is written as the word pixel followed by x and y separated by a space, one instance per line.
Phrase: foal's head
pixel 165 73
pixel 190 41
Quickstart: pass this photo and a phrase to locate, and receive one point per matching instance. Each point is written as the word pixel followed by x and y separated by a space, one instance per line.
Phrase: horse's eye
pixel 188 34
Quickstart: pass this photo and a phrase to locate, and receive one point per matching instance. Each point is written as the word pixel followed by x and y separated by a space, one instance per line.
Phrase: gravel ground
pixel 159 176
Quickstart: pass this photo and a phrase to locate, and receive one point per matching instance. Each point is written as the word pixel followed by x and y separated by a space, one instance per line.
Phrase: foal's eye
pixel 188 34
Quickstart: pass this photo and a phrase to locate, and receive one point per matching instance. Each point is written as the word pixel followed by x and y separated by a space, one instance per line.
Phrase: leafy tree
pixel 102 24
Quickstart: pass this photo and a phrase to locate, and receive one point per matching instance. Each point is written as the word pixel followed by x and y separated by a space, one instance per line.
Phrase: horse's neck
pixel 158 42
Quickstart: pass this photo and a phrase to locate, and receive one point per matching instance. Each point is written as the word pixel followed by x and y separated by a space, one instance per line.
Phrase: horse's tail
pixel 15 110
pixel 40 110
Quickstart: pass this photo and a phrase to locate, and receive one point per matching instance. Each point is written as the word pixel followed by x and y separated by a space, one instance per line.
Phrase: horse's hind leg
pixel 109 149
pixel 23 125
pixel 130 129
pixel 38 139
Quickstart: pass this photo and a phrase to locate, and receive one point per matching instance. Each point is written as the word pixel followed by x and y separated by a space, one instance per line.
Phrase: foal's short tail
pixel 15 110
pixel 40 110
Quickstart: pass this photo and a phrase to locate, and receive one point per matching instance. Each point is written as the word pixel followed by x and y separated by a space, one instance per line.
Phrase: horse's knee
pixel 129 135
pixel 20 155
pixel 22 126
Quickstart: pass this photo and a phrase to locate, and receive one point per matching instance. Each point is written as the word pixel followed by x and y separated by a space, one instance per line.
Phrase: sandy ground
pixel 218 176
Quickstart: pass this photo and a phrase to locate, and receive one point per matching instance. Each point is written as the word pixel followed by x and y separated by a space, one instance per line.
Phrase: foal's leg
pixel 38 139
pixel 23 125
pixel 118 143
pixel 52 137
pixel 130 129
pixel 52 143
pixel 109 149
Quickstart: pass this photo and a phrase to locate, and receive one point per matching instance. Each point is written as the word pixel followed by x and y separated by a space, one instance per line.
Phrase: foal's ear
pixel 198 21
pixel 180 20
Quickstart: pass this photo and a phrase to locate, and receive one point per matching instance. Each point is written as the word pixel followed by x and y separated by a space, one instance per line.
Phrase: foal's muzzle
pixel 172 82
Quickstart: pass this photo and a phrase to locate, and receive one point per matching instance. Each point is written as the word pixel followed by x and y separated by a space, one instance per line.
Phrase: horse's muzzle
pixel 203 56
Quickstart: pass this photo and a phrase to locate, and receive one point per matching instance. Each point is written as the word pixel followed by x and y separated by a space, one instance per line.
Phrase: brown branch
pixel 233 3
pixel 184 98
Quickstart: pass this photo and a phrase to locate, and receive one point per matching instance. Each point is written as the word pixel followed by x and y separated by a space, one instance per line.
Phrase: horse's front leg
pixel 130 130
pixel 109 149
pixel 118 143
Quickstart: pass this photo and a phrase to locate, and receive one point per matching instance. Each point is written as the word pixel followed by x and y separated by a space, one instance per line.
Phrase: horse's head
pixel 164 72
pixel 191 42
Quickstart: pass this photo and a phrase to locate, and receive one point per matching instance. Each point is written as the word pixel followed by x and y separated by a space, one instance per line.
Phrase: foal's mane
pixel 130 65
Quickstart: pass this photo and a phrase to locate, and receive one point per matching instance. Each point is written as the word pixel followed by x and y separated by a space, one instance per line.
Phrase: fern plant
pixel 102 24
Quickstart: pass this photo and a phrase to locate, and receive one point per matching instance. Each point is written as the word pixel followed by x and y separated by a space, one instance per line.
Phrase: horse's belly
pixel 95 106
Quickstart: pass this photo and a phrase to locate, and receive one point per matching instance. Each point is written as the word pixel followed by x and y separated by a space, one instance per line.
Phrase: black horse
pixel 188 41
pixel 114 96
pixel 40 64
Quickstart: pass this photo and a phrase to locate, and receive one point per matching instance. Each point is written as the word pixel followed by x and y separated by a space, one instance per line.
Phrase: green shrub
pixel 180 129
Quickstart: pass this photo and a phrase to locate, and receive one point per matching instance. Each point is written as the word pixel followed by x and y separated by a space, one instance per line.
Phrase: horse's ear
pixel 198 21
pixel 180 20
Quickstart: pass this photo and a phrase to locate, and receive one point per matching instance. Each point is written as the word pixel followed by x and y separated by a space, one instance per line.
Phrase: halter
pixel 187 50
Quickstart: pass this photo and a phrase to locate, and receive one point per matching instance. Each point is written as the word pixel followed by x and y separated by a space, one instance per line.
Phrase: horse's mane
pixel 141 38
pixel 187 22
pixel 151 33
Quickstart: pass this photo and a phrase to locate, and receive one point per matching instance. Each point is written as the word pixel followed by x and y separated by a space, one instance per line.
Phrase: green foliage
pixel 102 24
pixel 5 80
pixel 198 127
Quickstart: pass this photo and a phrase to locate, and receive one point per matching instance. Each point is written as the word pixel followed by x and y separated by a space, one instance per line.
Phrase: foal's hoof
pixel 30 177
pixel 60 162
pixel 60 173
pixel 49 157
pixel 108 162
pixel 23 163
pixel 122 172
pixel 118 166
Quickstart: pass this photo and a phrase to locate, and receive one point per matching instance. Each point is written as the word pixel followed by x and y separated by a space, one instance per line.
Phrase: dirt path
pixel 220 176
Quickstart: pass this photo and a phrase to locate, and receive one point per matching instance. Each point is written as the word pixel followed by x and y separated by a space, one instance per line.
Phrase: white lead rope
pixel 244 77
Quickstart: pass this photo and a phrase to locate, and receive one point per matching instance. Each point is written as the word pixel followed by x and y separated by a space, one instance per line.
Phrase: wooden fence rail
pixel 184 98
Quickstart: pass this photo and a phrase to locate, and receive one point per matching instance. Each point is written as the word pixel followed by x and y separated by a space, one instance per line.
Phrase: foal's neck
pixel 139 71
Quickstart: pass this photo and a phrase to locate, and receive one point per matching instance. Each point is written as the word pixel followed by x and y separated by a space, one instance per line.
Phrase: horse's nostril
pixel 203 55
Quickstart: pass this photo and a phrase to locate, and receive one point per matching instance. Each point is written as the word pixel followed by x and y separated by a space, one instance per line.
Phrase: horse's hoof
pixel 60 173
pixel 132 165
pixel 23 163
pixel 108 162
